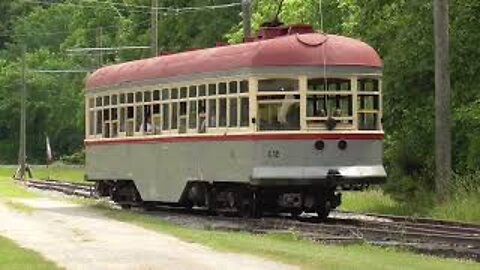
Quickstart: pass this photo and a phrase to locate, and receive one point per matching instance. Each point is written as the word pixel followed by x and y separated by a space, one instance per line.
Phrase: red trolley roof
pixel 311 49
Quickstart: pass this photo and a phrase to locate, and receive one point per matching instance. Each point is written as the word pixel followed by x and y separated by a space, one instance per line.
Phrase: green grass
pixel 8 188
pixel 66 174
pixel 55 172
pixel 461 207
pixel 374 201
pixel 288 249
pixel 13 257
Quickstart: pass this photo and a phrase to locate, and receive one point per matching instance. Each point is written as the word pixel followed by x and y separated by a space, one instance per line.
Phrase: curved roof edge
pixel 300 50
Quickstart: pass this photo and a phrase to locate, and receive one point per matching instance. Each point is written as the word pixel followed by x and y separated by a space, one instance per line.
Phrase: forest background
pixel 400 30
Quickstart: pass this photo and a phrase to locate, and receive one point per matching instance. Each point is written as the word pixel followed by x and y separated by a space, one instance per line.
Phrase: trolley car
pixel 280 123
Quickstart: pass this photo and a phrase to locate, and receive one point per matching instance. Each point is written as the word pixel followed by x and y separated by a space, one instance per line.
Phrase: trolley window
pixel 202 90
pixel 368 104
pixel 244 111
pixel 222 88
pixel 243 86
pixel 278 105
pixel 156 95
pixel 212 113
pixel 233 87
pixel 279 115
pixel 278 85
pixel 329 99
pixel 222 112
pixel 192 117
pixel 91 124
pixel 166 116
pixel 233 119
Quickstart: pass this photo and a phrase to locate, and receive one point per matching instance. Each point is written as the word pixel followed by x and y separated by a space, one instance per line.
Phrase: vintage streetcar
pixel 280 123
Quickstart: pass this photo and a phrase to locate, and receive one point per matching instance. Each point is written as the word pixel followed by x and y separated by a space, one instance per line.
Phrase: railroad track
pixel 75 189
pixel 424 235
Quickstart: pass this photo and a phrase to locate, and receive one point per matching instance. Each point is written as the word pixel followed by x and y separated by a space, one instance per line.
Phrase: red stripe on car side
pixel 238 137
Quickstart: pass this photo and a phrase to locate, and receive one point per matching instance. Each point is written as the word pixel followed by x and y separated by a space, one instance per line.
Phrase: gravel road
pixel 76 237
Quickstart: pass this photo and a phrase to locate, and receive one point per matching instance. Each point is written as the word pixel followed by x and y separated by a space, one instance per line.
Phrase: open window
pixel 202 116
pixel 278 105
pixel 329 103
pixel 114 122
pixel 147 124
pixel 156 119
pixel 368 103
pixel 182 117
pixel 212 113
pixel 130 125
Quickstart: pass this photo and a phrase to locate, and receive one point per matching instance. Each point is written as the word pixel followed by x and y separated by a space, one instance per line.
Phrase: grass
pixel 67 174
pixel 54 172
pixel 461 207
pixel 374 201
pixel 14 257
pixel 8 189
pixel 288 249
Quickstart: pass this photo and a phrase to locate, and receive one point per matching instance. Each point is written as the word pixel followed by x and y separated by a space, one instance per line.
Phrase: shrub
pixel 77 158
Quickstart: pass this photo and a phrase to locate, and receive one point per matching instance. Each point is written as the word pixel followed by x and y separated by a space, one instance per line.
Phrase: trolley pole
pixel 22 156
pixel 247 18
pixel 154 28
pixel 100 45
pixel 443 146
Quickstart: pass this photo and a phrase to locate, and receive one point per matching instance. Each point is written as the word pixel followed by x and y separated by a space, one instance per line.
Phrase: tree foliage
pixel 401 31
pixel 49 28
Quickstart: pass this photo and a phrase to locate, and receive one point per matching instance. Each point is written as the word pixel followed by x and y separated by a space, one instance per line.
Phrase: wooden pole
pixel 442 100
pixel 154 28
pixel 247 18
pixel 100 45
pixel 22 156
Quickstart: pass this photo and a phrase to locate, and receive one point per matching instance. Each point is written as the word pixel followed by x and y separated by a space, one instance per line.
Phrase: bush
pixel 77 158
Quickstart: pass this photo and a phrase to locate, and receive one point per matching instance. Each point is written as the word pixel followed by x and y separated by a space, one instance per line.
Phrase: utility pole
pixel 154 28
pixel 22 156
pixel 100 45
pixel 443 148
pixel 247 18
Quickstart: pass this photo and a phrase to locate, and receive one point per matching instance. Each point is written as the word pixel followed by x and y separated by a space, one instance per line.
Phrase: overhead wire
pixel 82 4
pixel 64 32
pixel 145 9
pixel 52 33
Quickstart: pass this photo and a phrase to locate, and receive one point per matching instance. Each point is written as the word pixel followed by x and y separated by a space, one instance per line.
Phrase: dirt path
pixel 77 238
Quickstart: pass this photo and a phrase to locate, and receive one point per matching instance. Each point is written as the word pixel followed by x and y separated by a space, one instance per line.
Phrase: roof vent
pixel 300 29
pixel 268 32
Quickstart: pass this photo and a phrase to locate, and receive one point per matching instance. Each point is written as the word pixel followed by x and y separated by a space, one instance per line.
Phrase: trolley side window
pixel 212 113
pixel 329 104
pixel 369 104
pixel 278 105
pixel 244 111
pixel 130 120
